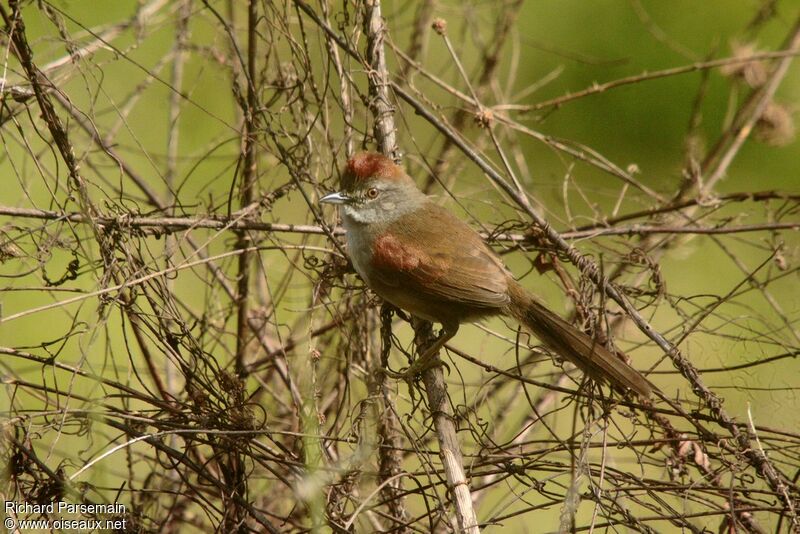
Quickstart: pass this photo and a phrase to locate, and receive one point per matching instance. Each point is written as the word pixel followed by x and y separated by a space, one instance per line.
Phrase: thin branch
pixel 646 76
pixel 438 400
pixel 237 223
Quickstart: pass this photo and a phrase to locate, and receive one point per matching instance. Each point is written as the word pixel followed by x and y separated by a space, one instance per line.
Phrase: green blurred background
pixel 125 87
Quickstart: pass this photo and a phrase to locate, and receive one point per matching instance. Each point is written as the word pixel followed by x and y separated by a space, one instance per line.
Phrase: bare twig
pixel 162 311
pixel 449 449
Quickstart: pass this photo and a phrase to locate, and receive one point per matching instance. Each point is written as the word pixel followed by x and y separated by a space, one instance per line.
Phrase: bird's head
pixel 375 189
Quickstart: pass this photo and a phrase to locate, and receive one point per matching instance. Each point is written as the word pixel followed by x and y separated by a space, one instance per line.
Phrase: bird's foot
pixel 427 360
pixel 410 373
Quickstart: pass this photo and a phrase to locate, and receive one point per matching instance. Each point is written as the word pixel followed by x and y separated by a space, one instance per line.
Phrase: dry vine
pixel 181 332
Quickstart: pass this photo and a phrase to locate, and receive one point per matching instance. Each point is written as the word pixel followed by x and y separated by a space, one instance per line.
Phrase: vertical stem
pixel 246 191
pixel 435 388
pixel 379 104
pixel 175 101
pixel 234 467
pixel 444 422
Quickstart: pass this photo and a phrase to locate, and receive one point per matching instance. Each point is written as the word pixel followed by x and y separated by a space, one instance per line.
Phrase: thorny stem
pixel 323 107
pixel 762 465
pixel 435 388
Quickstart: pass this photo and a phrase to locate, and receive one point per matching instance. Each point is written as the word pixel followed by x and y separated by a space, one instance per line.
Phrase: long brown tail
pixel 570 343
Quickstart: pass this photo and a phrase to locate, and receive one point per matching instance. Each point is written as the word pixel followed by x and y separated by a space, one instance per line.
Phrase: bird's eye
pixel 372 192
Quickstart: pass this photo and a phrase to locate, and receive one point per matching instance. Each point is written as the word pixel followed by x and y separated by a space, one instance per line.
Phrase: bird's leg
pixel 427 359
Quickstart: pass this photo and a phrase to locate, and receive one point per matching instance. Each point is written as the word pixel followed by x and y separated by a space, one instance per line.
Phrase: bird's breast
pixel 359 247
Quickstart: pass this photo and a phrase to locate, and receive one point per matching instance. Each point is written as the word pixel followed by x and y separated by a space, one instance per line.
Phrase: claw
pixel 428 360
pixel 410 373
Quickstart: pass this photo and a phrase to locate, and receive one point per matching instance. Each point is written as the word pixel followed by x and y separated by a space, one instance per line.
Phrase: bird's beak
pixel 335 198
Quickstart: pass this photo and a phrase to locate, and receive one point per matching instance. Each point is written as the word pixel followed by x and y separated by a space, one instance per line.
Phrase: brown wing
pixel 462 268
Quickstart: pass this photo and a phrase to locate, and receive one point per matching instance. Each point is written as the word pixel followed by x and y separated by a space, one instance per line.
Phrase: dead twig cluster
pixel 181 332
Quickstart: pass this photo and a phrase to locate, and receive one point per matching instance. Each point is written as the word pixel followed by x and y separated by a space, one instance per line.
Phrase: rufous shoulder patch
pixel 390 253
pixel 405 262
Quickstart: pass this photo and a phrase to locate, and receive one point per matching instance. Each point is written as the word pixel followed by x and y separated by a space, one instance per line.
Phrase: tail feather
pixel 570 343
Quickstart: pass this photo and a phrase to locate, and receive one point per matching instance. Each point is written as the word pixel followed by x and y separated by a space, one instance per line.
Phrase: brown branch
pixel 249 175
pixel 694 67
pixel 721 156
pixel 438 400
pixel 591 271
pixel 379 103
pixel 379 465
pixel 490 62
pixel 237 223
pixel 168 224
pixel 37 79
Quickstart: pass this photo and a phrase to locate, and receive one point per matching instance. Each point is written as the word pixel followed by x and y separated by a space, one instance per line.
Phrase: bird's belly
pixel 428 306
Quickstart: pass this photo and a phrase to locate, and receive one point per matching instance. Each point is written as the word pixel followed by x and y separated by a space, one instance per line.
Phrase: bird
pixel 418 256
